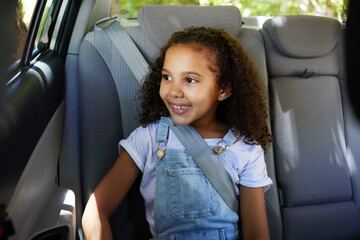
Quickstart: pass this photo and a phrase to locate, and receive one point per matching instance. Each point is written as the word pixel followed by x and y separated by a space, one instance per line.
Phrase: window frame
pixel 28 54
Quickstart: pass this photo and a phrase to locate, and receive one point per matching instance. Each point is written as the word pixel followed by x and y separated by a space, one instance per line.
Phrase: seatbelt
pixel 188 136
pixel 209 164
pixel 123 50
pixel 127 49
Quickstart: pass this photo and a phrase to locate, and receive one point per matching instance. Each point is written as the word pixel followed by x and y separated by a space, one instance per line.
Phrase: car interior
pixel 314 160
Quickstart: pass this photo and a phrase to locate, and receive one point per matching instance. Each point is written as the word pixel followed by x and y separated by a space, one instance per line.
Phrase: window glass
pixel 42 37
pixel 24 12
pixel 329 8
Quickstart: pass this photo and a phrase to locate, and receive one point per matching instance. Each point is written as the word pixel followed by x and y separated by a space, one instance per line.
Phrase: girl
pixel 201 77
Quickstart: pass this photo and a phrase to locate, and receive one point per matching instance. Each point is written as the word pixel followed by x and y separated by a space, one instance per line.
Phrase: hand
pixel 107 197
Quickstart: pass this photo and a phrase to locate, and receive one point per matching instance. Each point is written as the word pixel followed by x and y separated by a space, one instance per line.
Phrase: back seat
pixel 315 158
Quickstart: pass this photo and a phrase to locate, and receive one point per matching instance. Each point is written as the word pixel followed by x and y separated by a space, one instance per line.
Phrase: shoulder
pixel 141 137
pixel 149 130
pixel 246 153
pixel 140 144
pixel 246 147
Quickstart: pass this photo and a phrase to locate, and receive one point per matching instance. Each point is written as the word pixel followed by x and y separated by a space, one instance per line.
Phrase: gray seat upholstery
pixel 101 126
pixel 318 181
pixel 314 160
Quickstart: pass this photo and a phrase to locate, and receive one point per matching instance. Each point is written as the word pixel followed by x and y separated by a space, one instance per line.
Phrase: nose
pixel 176 90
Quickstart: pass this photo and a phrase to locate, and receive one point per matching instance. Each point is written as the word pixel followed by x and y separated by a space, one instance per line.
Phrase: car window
pixel 333 9
pixel 24 16
pixel 24 10
pixel 42 36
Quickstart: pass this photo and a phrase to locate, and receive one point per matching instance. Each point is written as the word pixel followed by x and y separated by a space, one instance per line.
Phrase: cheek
pixel 162 92
pixel 204 95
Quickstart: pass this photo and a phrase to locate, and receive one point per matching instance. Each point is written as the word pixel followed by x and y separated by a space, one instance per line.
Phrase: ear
pixel 224 94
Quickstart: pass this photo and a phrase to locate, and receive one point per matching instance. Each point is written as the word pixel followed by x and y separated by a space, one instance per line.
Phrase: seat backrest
pixel 101 125
pixel 253 42
pixel 315 159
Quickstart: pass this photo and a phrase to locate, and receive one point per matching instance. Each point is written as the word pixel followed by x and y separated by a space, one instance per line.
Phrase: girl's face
pixel 188 88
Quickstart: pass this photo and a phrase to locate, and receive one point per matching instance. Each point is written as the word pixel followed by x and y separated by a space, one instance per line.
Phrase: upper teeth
pixel 180 107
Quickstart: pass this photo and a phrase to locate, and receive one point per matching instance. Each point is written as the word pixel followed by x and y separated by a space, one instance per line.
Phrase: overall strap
pixel 163 131
pixel 209 164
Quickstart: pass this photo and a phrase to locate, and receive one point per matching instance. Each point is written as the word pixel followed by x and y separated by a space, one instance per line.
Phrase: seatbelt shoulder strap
pixel 126 47
pixel 209 164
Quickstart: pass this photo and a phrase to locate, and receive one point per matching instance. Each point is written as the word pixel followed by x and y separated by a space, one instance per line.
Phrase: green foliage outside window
pixel 329 8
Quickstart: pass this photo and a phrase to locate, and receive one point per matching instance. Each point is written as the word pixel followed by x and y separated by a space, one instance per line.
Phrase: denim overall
pixel 186 204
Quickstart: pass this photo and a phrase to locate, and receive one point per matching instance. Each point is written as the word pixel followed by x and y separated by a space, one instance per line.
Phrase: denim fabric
pixel 229 233
pixel 186 204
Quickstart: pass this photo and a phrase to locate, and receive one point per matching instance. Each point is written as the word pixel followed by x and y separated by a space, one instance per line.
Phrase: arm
pixel 107 196
pixel 253 214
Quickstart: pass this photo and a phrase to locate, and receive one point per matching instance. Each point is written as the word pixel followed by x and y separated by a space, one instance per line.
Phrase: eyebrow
pixel 193 73
pixel 184 73
pixel 164 70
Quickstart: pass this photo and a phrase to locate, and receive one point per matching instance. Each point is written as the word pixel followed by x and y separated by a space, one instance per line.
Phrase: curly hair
pixel 245 110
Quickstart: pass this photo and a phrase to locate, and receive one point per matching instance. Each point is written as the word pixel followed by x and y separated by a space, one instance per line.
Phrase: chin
pixel 180 121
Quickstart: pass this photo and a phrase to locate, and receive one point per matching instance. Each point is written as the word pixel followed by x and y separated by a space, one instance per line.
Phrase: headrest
pixel 303 36
pixel 160 21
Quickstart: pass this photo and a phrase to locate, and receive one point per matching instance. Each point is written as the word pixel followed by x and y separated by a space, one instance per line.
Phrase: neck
pixel 217 131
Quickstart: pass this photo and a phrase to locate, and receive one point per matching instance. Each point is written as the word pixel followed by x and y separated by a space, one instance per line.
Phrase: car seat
pixel 316 136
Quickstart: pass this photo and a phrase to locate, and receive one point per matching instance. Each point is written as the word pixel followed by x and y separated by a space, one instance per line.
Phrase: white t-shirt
pixel 245 163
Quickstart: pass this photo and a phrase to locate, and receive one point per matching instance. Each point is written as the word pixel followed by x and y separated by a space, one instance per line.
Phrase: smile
pixel 181 107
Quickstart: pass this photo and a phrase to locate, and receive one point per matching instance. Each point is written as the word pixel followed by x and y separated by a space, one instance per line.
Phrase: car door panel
pixel 31 127
pixel 27 104
pixel 32 112
pixel 38 203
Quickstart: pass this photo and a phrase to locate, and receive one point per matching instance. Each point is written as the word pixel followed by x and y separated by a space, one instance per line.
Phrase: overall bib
pixel 186 204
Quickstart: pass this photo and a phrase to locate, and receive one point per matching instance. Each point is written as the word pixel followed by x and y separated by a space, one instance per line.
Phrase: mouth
pixel 180 109
pixel 181 106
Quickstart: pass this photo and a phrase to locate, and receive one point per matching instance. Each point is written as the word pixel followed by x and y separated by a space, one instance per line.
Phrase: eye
pixel 191 80
pixel 166 77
